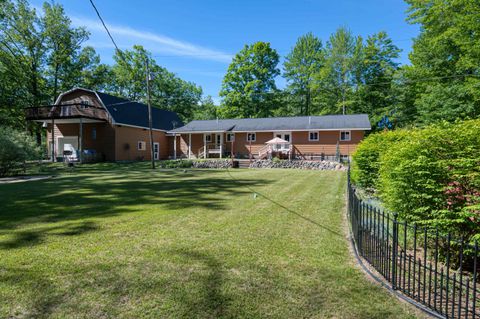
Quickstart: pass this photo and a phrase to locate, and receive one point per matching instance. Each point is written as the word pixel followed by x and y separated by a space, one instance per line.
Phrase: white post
pixel 189 145
pixel 204 147
pixel 53 140
pixel 81 140
pixel 174 146
pixel 221 145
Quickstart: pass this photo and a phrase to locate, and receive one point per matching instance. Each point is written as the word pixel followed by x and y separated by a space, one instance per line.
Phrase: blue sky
pixel 196 39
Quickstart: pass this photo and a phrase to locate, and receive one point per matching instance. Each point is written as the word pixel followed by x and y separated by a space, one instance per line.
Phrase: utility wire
pixel 104 25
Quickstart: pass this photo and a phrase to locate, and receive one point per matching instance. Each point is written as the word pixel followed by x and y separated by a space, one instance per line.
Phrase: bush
pixel 366 159
pixel 432 177
pixel 16 148
pixel 175 164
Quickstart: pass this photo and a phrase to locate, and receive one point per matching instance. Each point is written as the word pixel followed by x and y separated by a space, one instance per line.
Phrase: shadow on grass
pixel 93 192
pixel 334 232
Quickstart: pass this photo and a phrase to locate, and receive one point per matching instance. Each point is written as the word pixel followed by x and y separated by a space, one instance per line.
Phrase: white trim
pixel 314 140
pixel 349 136
pixel 260 131
pixel 156 155
pixel 194 132
pixel 205 138
pixel 255 136
pixel 144 146
pixel 142 127
pixel 230 134
pixel 307 130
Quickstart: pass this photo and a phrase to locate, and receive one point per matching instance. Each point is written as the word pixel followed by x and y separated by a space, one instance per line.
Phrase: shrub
pixel 175 164
pixel 366 159
pixel 16 148
pixel 432 177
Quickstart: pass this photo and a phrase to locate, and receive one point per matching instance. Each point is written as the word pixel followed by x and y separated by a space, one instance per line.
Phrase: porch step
pixel 243 163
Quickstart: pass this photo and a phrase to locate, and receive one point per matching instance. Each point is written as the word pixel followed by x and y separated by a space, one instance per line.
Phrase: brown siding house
pixel 104 126
pixel 304 137
pixel 85 124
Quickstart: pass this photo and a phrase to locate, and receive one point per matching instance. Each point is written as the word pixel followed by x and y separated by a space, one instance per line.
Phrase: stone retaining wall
pixel 299 164
pixel 212 164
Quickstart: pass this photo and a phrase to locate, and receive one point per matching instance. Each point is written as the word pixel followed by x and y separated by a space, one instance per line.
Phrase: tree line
pixel 349 74
pixel 42 55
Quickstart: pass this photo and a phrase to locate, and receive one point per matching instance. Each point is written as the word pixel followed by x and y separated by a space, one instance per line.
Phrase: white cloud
pixel 158 44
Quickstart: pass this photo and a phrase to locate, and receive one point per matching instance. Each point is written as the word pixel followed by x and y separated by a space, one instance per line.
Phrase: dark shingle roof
pixel 326 122
pixel 127 112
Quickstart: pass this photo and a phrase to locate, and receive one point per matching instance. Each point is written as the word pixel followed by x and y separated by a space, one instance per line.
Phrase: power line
pixel 104 25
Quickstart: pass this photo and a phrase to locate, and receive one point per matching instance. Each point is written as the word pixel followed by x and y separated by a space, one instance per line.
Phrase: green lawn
pixel 121 241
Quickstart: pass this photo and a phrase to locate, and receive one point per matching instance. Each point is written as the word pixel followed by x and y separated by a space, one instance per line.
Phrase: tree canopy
pixel 249 88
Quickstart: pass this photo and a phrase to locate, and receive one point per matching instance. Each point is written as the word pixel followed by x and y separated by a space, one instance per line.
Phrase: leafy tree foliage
pixel 337 80
pixel 249 88
pixel 446 59
pixel 168 91
pixel 300 67
pixel 17 147
pixel 207 109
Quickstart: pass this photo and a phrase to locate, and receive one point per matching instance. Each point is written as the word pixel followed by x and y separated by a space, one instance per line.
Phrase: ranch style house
pixel 91 125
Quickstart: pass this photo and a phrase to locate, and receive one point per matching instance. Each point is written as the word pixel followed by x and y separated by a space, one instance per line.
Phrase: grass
pixel 121 241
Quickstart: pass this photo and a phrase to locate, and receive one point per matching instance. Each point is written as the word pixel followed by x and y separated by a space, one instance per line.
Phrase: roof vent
pixel 309 120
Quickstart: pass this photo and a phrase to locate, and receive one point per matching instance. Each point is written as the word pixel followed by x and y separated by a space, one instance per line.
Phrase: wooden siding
pixel 103 144
pixel 326 145
pixel 127 139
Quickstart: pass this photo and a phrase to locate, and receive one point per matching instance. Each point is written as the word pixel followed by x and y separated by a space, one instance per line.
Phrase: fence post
pixel 394 251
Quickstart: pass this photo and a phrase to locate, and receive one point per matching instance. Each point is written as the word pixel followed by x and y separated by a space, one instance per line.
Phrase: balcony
pixel 66 112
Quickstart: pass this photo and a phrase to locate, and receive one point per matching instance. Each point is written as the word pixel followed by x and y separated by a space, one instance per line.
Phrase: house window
pixel 94 133
pixel 313 136
pixel 345 136
pixel 85 104
pixel 142 146
pixel 207 138
pixel 230 137
pixel 251 137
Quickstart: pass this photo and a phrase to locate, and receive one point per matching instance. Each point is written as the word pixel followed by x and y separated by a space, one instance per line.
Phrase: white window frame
pixel 205 138
pixel 349 136
pixel 230 137
pixel 141 146
pixel 254 137
pixel 313 132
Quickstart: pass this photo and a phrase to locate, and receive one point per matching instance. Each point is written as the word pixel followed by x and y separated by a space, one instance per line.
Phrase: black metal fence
pixel 433 269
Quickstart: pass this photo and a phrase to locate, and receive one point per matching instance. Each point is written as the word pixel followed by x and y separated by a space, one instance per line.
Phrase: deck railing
pixel 65 111
pixel 432 269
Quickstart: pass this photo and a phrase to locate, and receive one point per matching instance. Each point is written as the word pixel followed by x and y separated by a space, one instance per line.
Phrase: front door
pixel 218 139
pixel 156 151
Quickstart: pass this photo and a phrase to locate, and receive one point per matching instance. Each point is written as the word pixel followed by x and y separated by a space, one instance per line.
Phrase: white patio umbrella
pixel 277 140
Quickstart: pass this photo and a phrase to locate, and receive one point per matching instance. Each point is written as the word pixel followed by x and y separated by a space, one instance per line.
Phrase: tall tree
pixel 374 94
pixel 338 80
pixel 168 91
pixel 63 44
pixel 207 109
pixel 248 88
pixel 446 59
pixel 300 66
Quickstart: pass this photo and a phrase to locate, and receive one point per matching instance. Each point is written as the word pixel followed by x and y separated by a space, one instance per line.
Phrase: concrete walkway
pixel 19 179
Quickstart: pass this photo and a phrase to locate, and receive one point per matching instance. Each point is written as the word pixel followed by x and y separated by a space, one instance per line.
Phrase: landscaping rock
pixel 212 164
pixel 299 164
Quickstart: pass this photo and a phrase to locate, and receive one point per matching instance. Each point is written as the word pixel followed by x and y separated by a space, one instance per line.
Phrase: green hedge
pixel 366 159
pixel 175 164
pixel 430 176
pixel 15 148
